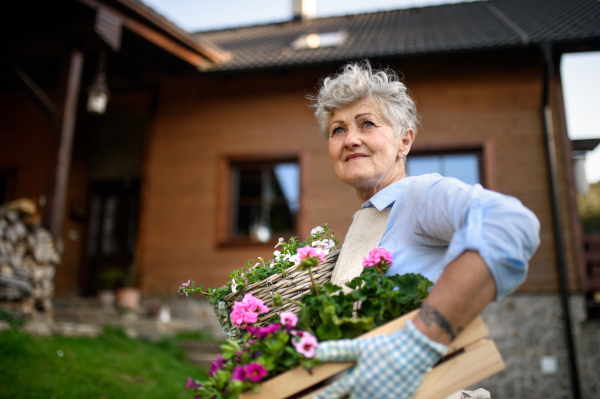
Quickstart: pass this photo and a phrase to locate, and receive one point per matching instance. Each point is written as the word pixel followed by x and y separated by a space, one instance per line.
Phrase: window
pixel 264 200
pixel 463 165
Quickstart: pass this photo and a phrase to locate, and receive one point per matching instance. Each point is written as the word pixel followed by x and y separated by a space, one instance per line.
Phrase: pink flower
pixel 238 374
pixel 242 316
pixel 186 284
pixel 262 332
pixel 255 371
pixel 192 384
pixel 247 311
pixel 377 256
pixel 306 345
pixel 288 320
pixel 298 333
pixel 252 304
pixel 310 252
pixel 216 365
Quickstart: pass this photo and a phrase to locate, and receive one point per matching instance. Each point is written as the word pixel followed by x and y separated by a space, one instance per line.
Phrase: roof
pixel 197 43
pixel 426 30
pixel 585 144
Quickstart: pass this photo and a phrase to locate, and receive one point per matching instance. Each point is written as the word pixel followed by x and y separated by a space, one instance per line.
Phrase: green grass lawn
pixel 111 366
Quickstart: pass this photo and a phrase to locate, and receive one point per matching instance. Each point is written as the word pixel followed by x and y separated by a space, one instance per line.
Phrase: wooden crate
pixel 470 359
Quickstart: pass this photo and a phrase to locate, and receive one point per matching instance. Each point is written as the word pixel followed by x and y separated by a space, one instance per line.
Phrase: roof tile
pixel 434 29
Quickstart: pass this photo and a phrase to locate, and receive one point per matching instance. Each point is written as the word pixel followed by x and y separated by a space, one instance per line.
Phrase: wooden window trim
pixel 486 147
pixel 223 237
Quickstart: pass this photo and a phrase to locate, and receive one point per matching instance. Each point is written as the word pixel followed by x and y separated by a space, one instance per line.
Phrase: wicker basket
pixel 295 284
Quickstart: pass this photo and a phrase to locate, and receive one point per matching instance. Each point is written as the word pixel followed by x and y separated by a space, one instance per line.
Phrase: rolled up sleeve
pixel 499 227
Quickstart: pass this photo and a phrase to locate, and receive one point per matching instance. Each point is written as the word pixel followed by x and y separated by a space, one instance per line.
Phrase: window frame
pixel 484 150
pixel 224 228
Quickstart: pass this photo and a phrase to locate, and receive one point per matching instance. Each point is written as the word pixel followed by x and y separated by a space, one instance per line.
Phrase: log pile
pixel 28 258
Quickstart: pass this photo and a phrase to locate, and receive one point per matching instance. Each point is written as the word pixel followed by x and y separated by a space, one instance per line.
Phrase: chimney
pixel 304 9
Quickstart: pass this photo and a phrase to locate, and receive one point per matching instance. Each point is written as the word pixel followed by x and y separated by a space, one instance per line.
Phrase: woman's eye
pixel 368 123
pixel 337 130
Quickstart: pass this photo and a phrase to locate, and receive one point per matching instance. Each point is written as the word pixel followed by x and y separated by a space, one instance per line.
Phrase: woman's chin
pixel 358 180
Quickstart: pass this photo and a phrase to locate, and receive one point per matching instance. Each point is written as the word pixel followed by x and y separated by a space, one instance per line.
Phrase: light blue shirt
pixel 434 219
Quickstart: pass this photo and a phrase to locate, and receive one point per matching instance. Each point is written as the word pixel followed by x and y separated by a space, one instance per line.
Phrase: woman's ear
pixel 407 140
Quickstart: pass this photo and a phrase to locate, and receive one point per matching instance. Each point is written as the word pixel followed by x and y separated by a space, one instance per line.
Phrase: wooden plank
pixel 34 92
pixel 479 361
pixel 298 379
pixel 162 41
pixel 198 59
pixel 61 156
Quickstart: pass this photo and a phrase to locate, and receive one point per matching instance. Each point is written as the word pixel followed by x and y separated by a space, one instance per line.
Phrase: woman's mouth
pixel 354 157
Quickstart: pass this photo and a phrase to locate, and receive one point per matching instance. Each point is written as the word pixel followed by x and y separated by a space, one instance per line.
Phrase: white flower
pixel 280 241
pixel 325 245
pixel 317 230
pixel 257 263
pixel 242 274
pixel 295 259
pixel 233 286
pixel 277 254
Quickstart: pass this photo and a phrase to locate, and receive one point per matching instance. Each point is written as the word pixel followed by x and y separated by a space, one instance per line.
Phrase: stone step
pixel 76 301
pixel 200 353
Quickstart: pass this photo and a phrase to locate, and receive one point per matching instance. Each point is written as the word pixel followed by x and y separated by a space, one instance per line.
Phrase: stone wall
pixel 527 328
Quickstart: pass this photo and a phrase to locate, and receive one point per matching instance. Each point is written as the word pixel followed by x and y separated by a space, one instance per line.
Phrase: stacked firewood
pixel 28 258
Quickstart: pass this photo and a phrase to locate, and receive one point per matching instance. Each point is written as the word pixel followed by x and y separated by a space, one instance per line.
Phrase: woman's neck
pixel 366 193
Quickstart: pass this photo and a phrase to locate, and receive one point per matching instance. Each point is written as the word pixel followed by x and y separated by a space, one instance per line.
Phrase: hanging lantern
pixel 98 95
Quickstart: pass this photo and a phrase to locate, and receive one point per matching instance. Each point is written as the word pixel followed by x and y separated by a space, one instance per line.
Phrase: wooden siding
pixel 201 118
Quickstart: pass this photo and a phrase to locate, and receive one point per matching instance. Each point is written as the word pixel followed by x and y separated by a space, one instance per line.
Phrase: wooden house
pixel 191 115
pixel 208 153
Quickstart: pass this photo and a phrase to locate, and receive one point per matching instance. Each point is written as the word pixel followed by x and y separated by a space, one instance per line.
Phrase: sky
pixel 580 72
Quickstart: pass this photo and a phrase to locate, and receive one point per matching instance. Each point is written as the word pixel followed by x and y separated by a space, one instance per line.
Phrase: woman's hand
pixel 388 366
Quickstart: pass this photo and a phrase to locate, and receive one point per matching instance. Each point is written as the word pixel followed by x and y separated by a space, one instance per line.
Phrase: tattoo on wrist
pixel 429 315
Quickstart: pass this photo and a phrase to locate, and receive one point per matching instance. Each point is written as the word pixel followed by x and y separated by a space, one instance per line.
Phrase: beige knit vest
pixel 364 234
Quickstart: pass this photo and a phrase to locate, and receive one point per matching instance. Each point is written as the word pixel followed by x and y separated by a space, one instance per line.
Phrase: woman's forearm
pixel 464 289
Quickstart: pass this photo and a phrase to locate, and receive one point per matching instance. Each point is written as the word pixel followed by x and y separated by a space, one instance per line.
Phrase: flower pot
pixel 128 298
pixel 106 298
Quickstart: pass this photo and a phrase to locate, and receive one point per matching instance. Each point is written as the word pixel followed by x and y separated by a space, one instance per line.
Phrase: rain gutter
pixel 558 236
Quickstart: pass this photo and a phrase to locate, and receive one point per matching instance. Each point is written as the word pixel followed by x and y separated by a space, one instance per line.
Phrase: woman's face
pixel 363 149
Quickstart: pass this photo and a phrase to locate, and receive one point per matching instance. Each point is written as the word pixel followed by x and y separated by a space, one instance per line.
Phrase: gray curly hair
pixel 358 81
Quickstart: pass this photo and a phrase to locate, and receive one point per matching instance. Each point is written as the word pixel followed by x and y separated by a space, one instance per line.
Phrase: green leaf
pixel 328 330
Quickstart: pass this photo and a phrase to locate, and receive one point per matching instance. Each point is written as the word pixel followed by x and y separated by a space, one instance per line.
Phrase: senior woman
pixel 474 244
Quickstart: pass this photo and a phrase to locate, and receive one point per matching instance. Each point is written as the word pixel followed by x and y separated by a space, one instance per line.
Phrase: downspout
pixel 558 237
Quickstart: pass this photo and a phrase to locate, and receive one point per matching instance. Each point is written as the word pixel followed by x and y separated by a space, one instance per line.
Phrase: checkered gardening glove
pixel 230 331
pixel 387 366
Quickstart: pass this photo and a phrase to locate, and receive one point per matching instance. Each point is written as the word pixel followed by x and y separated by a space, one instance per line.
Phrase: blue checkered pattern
pixel 388 366
pixel 230 331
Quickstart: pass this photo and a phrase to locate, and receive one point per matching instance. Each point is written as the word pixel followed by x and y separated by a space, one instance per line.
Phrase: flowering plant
pixel 321 241
pixel 265 352
pixel 329 313
pixel 290 340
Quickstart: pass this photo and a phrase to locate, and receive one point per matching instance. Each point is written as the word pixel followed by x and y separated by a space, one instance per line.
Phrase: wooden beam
pixel 197 59
pixel 33 91
pixel 296 381
pixel 61 153
pixel 162 41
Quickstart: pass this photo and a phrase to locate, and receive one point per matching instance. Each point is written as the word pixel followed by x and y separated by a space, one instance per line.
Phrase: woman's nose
pixel 352 139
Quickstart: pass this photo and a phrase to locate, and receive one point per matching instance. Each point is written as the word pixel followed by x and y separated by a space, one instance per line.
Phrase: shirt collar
pixel 386 197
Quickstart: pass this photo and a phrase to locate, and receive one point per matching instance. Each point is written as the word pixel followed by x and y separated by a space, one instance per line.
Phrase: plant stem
pixel 294 302
pixel 312 280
